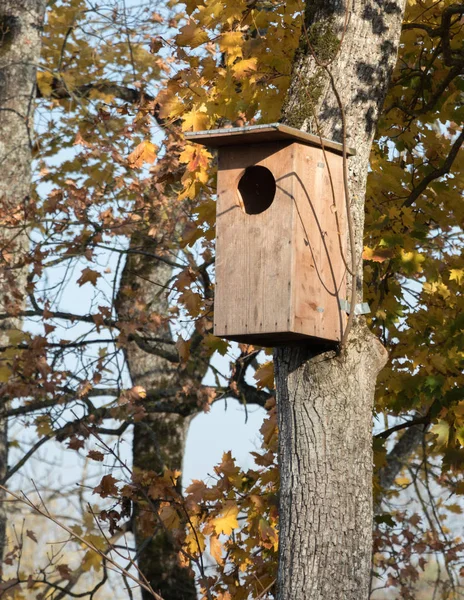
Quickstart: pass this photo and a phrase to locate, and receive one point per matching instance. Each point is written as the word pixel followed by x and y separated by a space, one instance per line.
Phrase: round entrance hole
pixel 256 188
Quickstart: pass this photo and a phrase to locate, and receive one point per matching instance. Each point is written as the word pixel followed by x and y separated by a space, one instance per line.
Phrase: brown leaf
pixel 95 455
pixel 75 443
pixel 107 487
pixel 65 572
pixel 88 275
pixel 30 534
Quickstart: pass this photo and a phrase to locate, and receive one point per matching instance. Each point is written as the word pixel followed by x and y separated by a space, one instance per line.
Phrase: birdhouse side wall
pixel 254 256
pixel 319 271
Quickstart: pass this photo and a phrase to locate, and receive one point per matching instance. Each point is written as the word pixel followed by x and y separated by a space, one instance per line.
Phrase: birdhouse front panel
pixel 279 268
pixel 254 232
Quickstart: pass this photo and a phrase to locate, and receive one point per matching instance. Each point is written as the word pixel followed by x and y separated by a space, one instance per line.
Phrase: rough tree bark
pixel 325 399
pixel 159 440
pixel 20 28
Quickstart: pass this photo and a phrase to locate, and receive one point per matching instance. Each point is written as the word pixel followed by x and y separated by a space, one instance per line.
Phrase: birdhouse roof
pixel 254 134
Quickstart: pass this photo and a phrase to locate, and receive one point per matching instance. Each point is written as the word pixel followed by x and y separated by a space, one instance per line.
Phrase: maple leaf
pixel 64 571
pixel 454 508
pixel 269 432
pixel 192 301
pixel 30 534
pixel 92 560
pixel 107 487
pixel 232 42
pixel 43 425
pixel 95 455
pixel 75 443
pixel 268 534
pixel 183 348
pixel 195 120
pixel 457 275
pixel 379 255
pixel 412 261
pixel 195 539
pixel 226 522
pixel 215 344
pixel 145 152
pixel 441 431
pixel 44 82
pixel 195 157
pixel 196 489
pixel 88 275
pixel 243 68
pixel 265 375
pixel 169 516
pixel 191 35
pixel 215 549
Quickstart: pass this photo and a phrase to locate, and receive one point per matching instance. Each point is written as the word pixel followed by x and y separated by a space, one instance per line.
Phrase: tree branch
pixel 122 92
pixel 436 173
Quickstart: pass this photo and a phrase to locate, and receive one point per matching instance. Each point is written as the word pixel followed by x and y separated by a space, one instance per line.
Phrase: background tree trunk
pixel 20 28
pixel 326 399
pixel 159 440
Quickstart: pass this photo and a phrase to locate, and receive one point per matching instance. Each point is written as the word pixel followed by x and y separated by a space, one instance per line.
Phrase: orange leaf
pixel 143 153
pixel 215 549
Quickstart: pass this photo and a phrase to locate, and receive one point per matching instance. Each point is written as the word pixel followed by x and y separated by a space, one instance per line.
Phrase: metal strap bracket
pixel 359 309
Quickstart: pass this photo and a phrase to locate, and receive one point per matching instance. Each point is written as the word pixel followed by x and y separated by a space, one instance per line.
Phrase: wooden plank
pixel 255 134
pixel 319 271
pixel 253 251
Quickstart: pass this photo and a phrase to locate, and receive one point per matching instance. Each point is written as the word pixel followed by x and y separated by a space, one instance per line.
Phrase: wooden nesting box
pixel 281 235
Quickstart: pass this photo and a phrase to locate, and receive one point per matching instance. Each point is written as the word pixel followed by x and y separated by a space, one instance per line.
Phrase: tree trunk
pixel 325 399
pixel 20 28
pixel 159 440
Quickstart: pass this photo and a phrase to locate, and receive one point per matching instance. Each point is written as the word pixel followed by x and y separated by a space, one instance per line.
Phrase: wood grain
pixel 280 273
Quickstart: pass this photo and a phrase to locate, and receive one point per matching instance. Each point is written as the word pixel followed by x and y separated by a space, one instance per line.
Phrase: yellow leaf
pixel 44 81
pixel 170 105
pixel 441 430
pixel 191 35
pixel 195 540
pixel 268 534
pixel 457 275
pixel 243 68
pixel 226 522
pixel 143 153
pixel 265 375
pixel 91 560
pixel 454 508
pixel 378 255
pixel 195 120
pixel 412 262
pixel 231 42
pixel 402 481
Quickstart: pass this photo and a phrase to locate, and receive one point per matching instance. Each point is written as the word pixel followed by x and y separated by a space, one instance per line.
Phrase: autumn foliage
pixel 114 178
